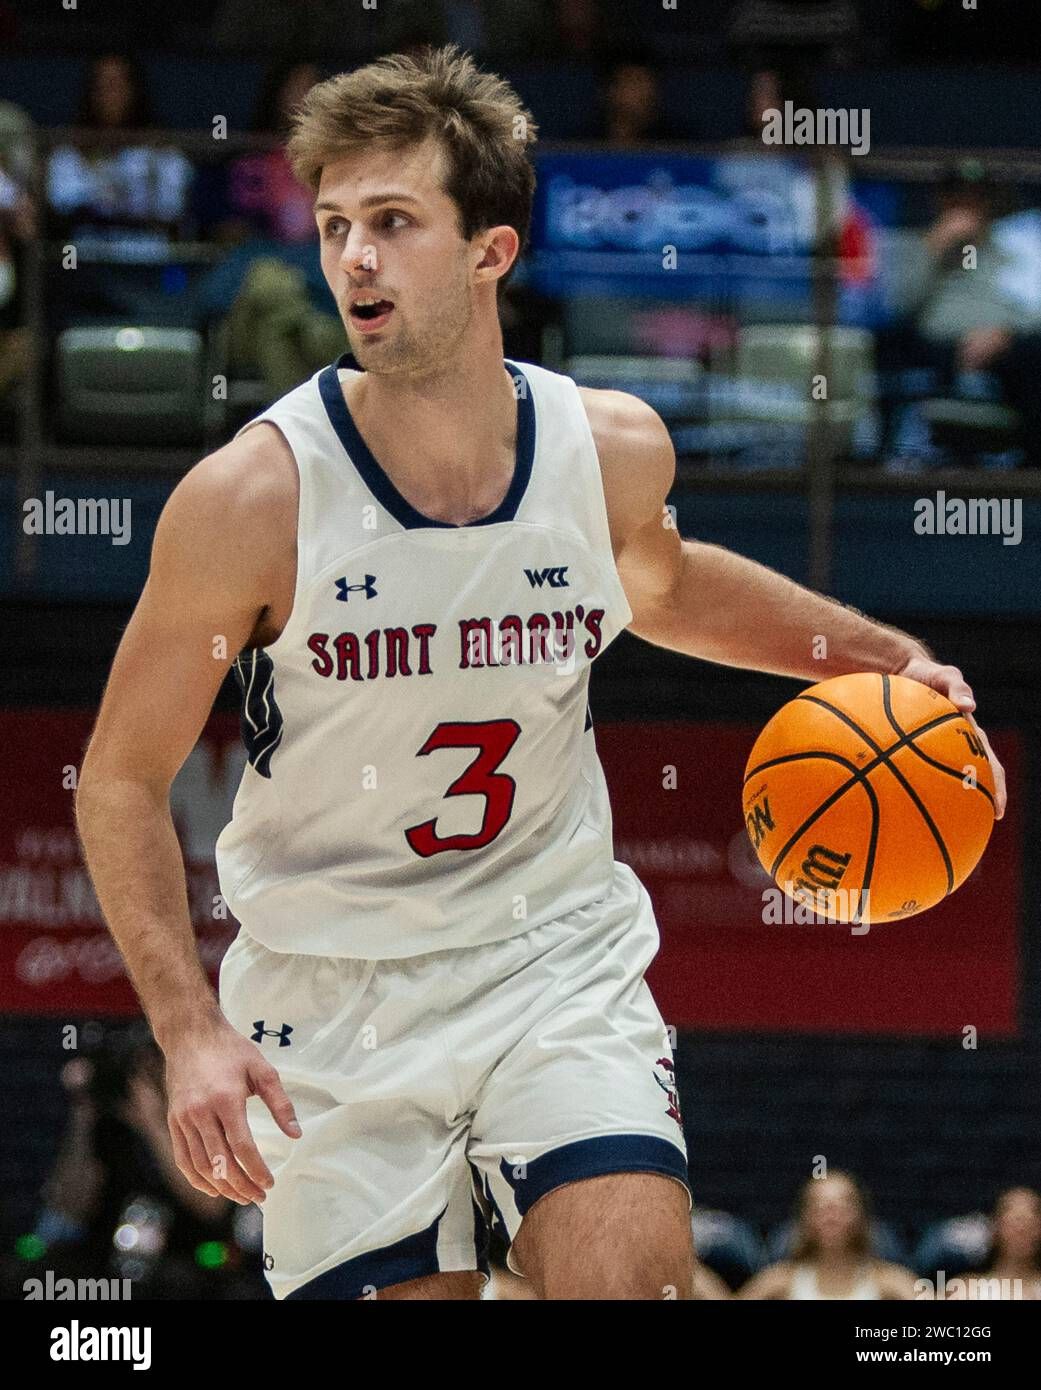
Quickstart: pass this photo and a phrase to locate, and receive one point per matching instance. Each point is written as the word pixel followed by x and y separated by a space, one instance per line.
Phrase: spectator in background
pixel 116 1205
pixel 578 27
pixel 16 136
pixel 119 198
pixel 1014 1259
pixel 974 309
pixel 631 103
pixel 765 92
pixel 268 301
pixel 831 1256
pixel 782 181
pixel 120 186
pixel 257 194
pixel 17 227
pixel 967 298
pixel 597 30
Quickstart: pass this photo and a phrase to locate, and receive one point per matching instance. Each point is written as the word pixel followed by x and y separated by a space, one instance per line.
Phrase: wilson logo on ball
pixel 759 821
pixel 875 764
pixel 822 868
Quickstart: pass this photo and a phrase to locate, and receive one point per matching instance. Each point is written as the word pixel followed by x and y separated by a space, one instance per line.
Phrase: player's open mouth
pixel 370 314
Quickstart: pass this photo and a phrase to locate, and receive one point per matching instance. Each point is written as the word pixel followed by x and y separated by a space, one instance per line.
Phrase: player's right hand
pixel 209 1077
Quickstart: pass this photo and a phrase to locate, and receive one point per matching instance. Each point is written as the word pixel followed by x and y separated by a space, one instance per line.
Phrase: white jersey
pixel 422 770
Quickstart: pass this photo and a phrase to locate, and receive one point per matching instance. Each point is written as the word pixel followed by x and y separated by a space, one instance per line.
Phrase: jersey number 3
pixel 494 738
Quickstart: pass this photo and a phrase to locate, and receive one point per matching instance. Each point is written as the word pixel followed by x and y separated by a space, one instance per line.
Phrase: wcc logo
pixel 553 578
pixel 282 1034
pixel 669 1087
pixel 344 590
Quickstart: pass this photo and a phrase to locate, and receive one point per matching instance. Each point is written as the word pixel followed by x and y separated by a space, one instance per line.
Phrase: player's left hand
pixel 949 681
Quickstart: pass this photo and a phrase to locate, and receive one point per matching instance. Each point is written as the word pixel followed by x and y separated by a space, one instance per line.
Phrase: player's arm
pixel 709 602
pixel 203 598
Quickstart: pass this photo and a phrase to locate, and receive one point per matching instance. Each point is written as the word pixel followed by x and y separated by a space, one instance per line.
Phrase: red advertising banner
pixel 56 955
pixel 676 795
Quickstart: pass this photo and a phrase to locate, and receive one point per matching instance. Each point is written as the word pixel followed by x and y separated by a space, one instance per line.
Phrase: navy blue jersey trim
pixel 380 485
pixel 415 1257
pixel 481 1238
pixel 260 721
pixel 497 1225
pixel 592 1158
pixel 589 720
pixel 411 1258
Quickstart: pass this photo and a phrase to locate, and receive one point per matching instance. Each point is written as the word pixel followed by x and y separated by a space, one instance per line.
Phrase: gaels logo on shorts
pixel 669 1087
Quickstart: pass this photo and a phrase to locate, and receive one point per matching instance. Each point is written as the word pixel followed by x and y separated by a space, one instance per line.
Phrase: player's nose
pixel 359 254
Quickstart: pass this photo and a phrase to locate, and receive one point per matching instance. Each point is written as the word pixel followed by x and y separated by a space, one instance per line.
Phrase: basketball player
pixel 435 1011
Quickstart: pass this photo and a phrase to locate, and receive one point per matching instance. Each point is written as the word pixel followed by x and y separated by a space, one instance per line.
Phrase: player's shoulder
pixel 250 480
pixel 230 523
pixel 627 431
pixel 620 420
pixel 637 459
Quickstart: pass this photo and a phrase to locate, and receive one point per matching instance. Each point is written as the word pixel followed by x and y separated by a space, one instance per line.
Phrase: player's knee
pixel 627 1270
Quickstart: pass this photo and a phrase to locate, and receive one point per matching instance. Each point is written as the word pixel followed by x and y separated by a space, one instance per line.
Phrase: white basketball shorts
pixel 442 1090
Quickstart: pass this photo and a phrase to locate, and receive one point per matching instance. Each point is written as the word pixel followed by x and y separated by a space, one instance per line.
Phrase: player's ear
pixel 496 249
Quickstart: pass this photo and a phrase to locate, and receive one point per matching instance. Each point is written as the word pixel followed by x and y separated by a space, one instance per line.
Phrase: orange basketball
pixel 869 798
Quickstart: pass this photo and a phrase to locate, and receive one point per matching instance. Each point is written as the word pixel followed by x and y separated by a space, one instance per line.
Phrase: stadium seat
pixel 671 385
pixel 972 427
pixel 131 385
pixel 773 371
pixel 243 397
pixel 958 1244
pixel 728 1245
pixel 623 324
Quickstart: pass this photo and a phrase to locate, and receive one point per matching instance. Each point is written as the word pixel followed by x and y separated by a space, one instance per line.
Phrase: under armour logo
pixel 344 590
pixel 282 1034
pixel 553 577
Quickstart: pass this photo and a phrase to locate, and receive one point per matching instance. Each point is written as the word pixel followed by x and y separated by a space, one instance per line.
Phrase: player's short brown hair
pixel 401 100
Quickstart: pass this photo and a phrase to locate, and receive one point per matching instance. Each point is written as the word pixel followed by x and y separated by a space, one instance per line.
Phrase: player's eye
pixel 333 228
pixel 399 217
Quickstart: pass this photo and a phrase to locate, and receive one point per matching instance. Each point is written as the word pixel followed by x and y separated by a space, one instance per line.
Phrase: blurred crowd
pixel 115 1206
pixel 832 1249
pixel 121 191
